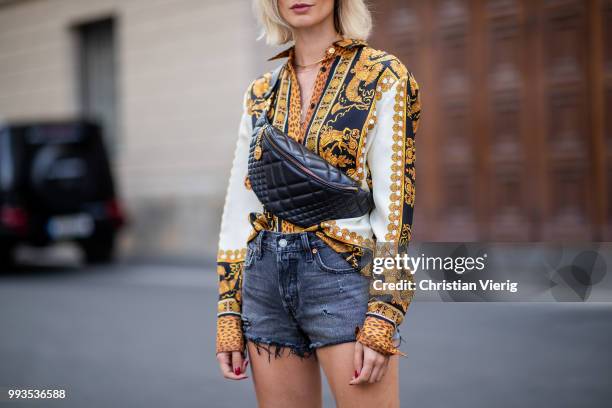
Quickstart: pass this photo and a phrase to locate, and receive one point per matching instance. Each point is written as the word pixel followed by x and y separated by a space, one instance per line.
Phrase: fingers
pixel 367 366
pixel 366 371
pixel 237 363
pixel 373 369
pixel 384 369
pixel 225 365
pixel 358 358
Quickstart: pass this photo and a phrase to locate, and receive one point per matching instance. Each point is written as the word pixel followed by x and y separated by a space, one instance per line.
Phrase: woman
pixel 300 296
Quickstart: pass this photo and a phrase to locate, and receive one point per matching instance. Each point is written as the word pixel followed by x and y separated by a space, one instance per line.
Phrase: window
pixel 97 59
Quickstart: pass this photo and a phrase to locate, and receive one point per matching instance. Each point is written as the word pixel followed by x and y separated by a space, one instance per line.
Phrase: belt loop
pixel 258 244
pixel 306 246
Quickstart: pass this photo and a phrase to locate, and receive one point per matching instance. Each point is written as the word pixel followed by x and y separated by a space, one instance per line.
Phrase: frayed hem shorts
pixel 298 294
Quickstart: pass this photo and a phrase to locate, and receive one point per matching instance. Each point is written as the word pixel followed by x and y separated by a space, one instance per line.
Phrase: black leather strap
pixel 274 81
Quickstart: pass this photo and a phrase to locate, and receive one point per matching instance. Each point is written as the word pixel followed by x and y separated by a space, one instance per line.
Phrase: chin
pixel 303 25
pixel 303 22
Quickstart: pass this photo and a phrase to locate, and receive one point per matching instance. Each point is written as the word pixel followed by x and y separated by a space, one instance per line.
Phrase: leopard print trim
pixel 295 113
pixel 229 334
pixel 377 334
pixel 385 311
pixel 297 128
pixel 318 88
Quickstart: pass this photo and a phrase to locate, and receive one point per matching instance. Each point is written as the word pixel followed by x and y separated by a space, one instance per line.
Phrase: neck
pixel 311 42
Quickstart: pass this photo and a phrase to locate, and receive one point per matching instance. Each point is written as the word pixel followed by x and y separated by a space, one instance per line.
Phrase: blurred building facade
pixel 516 137
pixel 166 78
pixel 515 141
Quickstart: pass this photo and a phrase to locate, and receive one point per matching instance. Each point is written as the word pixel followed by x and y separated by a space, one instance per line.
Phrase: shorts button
pixel 282 242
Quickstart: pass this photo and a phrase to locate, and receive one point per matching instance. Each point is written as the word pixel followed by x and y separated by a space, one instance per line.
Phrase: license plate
pixel 70 226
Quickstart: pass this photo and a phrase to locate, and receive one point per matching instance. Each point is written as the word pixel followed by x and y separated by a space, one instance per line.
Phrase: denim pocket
pixel 331 261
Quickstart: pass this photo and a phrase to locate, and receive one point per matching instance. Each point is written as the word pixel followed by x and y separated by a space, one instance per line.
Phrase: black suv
pixel 56 185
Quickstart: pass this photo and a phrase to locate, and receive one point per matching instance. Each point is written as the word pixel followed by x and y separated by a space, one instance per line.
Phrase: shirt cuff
pixel 229 334
pixel 377 334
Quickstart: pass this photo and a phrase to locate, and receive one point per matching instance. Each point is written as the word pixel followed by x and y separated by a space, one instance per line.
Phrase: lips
pixel 301 7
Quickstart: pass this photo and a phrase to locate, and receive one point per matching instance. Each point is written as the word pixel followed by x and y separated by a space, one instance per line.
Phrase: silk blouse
pixel 362 117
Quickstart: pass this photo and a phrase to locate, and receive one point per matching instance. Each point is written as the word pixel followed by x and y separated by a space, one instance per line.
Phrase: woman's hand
pixel 233 365
pixel 370 365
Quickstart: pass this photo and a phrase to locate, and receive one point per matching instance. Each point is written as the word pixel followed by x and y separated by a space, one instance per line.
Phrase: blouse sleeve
pixel 391 161
pixel 240 201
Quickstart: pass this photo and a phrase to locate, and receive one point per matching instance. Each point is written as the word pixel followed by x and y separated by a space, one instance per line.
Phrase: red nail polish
pixel 356 374
pixel 246 364
pixel 237 371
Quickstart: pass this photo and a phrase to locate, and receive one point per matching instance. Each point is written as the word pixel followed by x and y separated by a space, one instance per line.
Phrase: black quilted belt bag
pixel 296 184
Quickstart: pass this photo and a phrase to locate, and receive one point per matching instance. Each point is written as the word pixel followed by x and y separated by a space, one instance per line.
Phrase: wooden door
pixel 515 142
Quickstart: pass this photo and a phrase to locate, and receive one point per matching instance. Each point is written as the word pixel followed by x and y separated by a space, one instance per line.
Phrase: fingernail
pixel 356 374
pixel 237 371
pixel 246 364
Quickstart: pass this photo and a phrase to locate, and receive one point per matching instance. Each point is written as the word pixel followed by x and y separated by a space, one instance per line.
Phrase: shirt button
pixel 282 242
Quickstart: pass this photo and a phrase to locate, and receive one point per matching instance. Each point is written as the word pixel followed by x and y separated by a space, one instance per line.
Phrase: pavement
pixel 142 335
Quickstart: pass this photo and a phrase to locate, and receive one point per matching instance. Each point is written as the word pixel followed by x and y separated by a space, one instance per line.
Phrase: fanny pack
pixel 296 184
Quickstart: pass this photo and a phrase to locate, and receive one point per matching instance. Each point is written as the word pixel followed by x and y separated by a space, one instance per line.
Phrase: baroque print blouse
pixel 362 118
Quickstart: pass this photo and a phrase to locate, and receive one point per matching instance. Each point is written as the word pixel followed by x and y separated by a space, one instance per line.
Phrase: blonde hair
pixel 351 18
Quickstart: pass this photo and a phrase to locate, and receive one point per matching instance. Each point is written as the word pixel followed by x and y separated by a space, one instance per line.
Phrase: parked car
pixel 56 185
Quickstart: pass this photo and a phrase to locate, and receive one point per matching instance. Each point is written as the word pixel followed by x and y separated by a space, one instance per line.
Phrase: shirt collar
pixel 345 43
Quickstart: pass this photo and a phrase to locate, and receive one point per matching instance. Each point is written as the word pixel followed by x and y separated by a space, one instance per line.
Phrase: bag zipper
pixel 306 169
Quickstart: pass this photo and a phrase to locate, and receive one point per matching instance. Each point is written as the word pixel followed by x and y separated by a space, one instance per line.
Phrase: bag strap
pixel 274 81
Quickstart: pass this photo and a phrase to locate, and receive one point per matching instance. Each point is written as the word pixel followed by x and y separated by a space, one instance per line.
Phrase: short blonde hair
pixel 352 19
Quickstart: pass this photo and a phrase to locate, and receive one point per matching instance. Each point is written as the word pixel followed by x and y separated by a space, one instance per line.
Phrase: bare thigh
pixel 285 381
pixel 338 366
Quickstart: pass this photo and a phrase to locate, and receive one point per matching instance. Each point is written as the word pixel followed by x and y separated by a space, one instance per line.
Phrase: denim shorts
pixel 298 294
